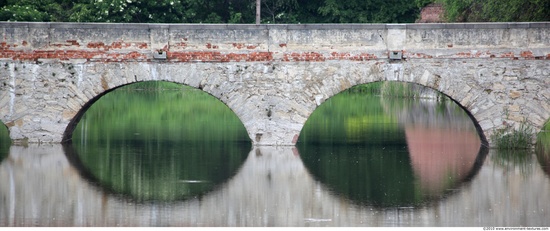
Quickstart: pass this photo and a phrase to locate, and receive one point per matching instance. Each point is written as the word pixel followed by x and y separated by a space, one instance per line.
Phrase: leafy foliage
pixel 496 10
pixel 29 10
pixel 374 11
pixel 209 11
pixel 272 11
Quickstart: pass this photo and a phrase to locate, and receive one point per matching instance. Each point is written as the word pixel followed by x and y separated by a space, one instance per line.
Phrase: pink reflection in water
pixel 441 157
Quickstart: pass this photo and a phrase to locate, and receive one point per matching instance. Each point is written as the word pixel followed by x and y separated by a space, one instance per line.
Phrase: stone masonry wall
pixel 51 72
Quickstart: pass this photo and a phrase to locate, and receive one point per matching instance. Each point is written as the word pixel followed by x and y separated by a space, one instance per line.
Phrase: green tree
pixel 29 10
pixel 423 3
pixel 272 11
pixel 137 11
pixel 496 10
pixel 369 11
pixel 279 11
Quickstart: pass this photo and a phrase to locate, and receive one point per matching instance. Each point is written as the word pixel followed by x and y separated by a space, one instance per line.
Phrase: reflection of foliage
pixel 542 149
pixel 510 159
pixel 390 89
pixel 409 90
pixel 371 88
pixel 186 114
pixel 426 112
pixel 353 144
pixel 155 86
pixel 399 90
pixel 336 146
pixel 543 138
pixel 358 126
pixel 510 138
pixel 367 174
pixel 350 118
pixel 145 170
pixel 160 145
pixel 5 141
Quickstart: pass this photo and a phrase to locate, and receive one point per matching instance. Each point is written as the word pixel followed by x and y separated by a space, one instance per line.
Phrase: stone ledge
pixel 145 26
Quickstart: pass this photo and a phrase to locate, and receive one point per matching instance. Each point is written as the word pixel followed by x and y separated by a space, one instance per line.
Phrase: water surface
pixel 360 161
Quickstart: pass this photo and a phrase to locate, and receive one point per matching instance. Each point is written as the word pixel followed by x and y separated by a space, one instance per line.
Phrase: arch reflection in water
pixel 542 148
pixel 390 151
pixel 160 172
pixel 159 144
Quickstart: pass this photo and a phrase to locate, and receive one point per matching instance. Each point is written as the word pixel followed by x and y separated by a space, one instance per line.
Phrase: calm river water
pixel 180 158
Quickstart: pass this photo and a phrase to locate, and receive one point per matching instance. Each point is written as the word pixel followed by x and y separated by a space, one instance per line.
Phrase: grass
pixel 509 138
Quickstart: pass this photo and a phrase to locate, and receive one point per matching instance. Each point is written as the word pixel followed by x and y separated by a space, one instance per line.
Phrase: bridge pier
pixel 273 132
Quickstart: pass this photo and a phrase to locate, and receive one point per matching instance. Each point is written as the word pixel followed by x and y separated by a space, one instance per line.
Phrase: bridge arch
pixel 474 120
pixel 490 104
pixel 109 86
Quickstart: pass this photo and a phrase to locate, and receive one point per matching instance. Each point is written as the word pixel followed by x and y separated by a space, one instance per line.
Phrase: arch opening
pixel 391 144
pixel 208 104
pixel 397 89
pixel 158 140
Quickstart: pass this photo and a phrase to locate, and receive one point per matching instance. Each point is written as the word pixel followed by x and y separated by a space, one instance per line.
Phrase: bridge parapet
pixel 301 42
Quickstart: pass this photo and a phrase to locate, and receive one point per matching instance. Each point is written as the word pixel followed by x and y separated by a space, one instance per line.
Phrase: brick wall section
pixel 432 13
pixel 111 55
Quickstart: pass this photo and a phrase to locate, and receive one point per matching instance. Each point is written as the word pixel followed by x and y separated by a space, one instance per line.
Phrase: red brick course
pixel 125 51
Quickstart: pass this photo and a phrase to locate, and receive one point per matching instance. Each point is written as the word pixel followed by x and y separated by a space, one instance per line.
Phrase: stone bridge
pixel 272 76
